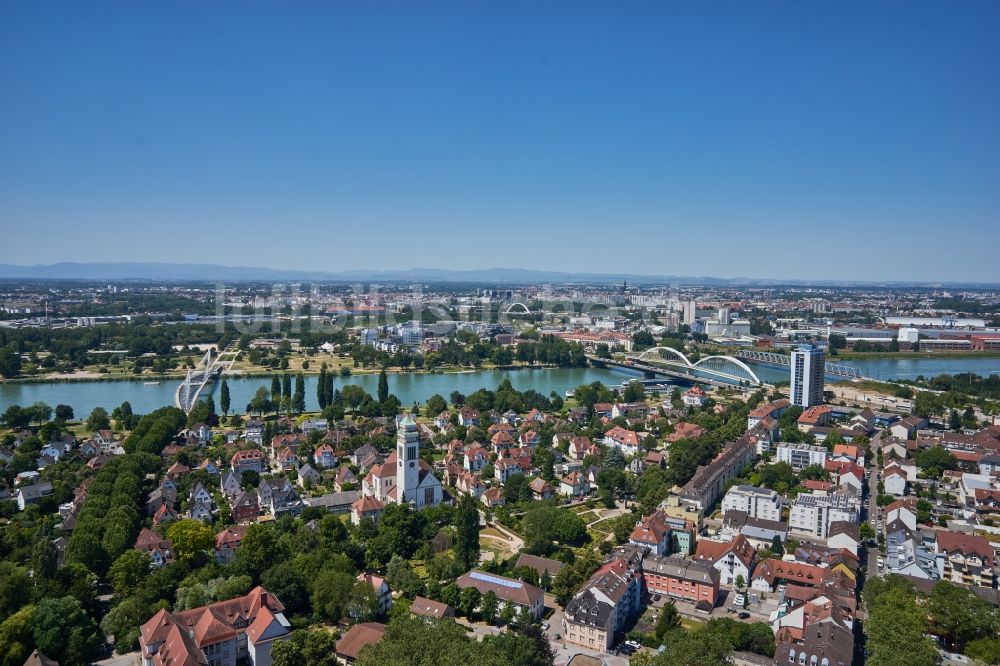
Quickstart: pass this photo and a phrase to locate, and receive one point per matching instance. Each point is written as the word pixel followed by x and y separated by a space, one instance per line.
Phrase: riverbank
pixel 91 376
pixel 843 355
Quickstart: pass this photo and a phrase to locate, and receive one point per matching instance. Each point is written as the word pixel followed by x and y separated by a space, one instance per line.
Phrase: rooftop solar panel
pixel 496 580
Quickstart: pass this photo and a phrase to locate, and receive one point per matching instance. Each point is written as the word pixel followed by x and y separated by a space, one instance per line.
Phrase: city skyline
pixel 776 142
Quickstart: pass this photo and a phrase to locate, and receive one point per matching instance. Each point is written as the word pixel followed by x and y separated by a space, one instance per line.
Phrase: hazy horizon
pixel 854 141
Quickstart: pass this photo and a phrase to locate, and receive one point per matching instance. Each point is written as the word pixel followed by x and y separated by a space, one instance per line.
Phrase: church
pixel 404 477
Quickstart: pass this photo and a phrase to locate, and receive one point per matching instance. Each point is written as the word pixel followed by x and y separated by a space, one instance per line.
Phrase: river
pixel 83 396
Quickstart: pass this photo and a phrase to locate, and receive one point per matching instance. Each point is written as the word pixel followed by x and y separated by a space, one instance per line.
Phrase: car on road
pixel 881 562
pixel 744 615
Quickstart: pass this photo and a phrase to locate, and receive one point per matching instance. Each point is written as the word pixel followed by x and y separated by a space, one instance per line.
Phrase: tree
pixel 299 396
pixel 696 648
pixel 383 386
pixel 986 650
pixel 15 637
pixel 64 412
pixel 353 395
pixel 435 405
pixel 960 616
pixel 258 552
pixel 64 632
pixel 362 603
pixel 467 532
pixel 129 571
pixel 316 647
pixel 933 461
pixel 224 399
pixel 98 420
pixel 668 621
pixel 191 538
pixel 290 584
pixel 507 613
pixel 331 594
pixel 777 547
pixel 954 420
pixel 634 392
pixel 260 403
pixel 488 606
pixel 469 601
pixel 568 527
pixel 401 577
pixel 896 625
pixel 275 392
pixel 321 394
pixel 16 416
pixel 123 621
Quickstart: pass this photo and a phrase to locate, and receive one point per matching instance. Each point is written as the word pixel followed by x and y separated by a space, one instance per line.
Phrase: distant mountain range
pixel 215 272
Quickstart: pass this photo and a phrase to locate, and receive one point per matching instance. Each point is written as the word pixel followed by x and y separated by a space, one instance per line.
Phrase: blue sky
pixel 827 140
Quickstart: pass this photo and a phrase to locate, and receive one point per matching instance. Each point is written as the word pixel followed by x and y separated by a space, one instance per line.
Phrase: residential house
pixel 626 441
pixel 366 507
pixel 708 482
pixel 278 496
pixel 820 644
pixel 907 427
pixel 492 498
pixel 475 458
pixel 221 634
pixel 230 483
pixel 254 431
pixel 694 396
pixel 308 476
pixel 894 480
pixel 540 565
pixel 227 542
pixel 733 559
pixel 468 417
pixel 581 447
pixel 468 483
pixel 359 636
pixel 324 457
pixel 343 477
pixel 574 485
pixel 816 416
pixel 245 506
pixel 248 460
pixel 685 430
pixel 812 513
pixel 382 592
pixel 31 494
pixel 430 609
pixel 159 549
pixel 540 489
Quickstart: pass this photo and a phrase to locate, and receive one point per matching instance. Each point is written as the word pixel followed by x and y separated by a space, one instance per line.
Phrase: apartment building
pixel 753 501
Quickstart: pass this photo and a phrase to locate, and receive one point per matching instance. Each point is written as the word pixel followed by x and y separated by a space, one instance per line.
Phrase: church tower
pixel 408 460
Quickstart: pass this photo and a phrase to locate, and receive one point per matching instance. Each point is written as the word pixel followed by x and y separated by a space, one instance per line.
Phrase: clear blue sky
pixel 854 140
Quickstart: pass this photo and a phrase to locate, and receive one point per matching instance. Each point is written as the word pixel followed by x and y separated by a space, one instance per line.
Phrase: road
pixel 874 513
